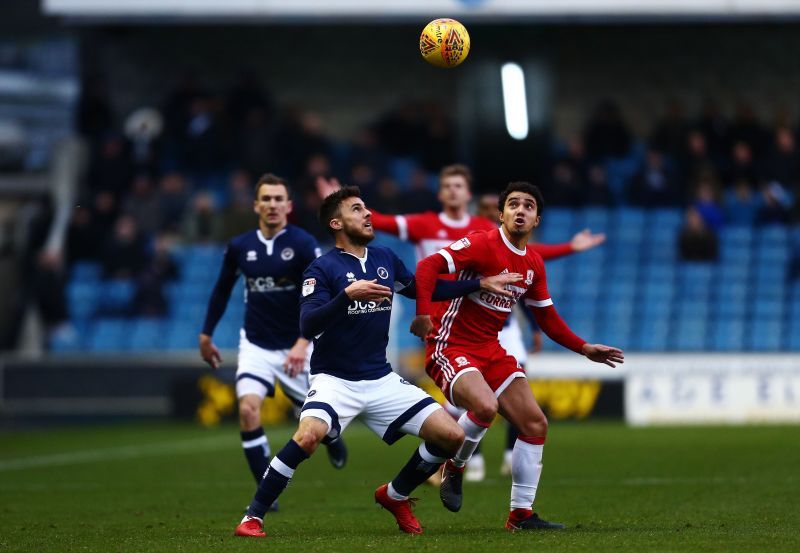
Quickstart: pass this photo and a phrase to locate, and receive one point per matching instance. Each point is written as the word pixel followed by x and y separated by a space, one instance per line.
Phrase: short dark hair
pixel 270 178
pixel 526 187
pixel 331 205
pixel 456 170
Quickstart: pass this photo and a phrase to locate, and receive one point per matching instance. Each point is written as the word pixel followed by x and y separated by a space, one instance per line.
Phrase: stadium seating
pixel 633 291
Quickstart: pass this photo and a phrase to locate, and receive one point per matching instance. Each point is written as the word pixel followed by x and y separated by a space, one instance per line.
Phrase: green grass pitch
pixel 183 488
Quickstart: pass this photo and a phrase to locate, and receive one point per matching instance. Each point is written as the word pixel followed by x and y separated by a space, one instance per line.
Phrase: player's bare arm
pixel 296 358
pixel 585 240
pixel 209 352
pixel 600 353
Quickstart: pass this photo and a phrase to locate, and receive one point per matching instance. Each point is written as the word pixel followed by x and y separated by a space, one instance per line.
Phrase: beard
pixel 359 237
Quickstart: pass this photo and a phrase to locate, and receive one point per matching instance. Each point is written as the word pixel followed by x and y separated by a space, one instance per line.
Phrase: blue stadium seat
pixel 769 309
pixel 86 271
pixel 777 235
pixel 666 218
pixel 116 295
pixel 82 299
pixel 741 236
pixel 692 310
pixel 147 335
pixel 765 335
pixel 728 335
pixel 691 334
pixel 629 219
pixel 728 308
pixel 108 334
pixel 181 335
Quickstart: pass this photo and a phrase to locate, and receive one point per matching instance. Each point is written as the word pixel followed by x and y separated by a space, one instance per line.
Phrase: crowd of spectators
pixel 184 171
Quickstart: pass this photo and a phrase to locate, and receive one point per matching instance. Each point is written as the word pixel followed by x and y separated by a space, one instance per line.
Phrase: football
pixel 444 43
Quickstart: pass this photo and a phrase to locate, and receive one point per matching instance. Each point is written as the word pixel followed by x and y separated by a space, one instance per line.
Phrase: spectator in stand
pixel 366 150
pixel 82 236
pixel 387 196
pixel 143 128
pixel 716 131
pixel 670 133
pixel 150 300
pixel 204 144
pixel 401 131
pixel 777 203
pixel 783 160
pixel 104 213
pixel 438 146
pixel 202 223
pixel 741 205
pixel 300 137
pixel 742 164
pixel 237 216
pixel 696 160
pixel 567 180
pixel 606 134
pixel 247 96
pixel 707 204
pixel 255 142
pixel 125 252
pixel 696 241
pixel 656 183
pixel 94 117
pixel 111 170
pixel 597 191
pixel 364 177
pixel 418 197
pixel 173 196
pixel 144 205
pixel 746 128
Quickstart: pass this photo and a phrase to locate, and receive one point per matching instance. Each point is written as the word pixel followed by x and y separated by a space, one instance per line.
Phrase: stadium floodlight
pixel 515 102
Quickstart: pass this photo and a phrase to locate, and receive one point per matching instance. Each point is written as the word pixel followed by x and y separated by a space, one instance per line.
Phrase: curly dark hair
pixel 522 186
pixel 330 208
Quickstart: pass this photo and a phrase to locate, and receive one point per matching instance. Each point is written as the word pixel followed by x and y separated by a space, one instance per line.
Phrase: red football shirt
pixel 478 317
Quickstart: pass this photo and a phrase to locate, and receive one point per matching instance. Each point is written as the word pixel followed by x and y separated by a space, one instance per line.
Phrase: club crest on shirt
pixel 529 277
pixel 287 254
pixel 251 255
pixel 460 244
pixel 308 286
pixel 383 273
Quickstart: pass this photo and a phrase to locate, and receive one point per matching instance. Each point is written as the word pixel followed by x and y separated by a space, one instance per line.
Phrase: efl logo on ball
pixel 444 43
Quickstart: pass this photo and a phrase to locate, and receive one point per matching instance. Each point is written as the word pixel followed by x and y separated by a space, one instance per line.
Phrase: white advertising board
pixel 713 389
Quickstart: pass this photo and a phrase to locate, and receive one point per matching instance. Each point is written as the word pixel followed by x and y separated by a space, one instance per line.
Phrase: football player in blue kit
pixel 346 306
pixel 272 259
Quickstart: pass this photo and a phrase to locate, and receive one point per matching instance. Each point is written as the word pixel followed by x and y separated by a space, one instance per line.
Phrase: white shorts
pixel 258 370
pixel 511 340
pixel 390 406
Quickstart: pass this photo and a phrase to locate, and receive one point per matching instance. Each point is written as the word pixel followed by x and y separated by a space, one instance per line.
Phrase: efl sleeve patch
pixel 308 286
pixel 460 244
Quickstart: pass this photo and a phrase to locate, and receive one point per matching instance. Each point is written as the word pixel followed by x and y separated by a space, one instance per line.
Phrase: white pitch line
pixel 117 453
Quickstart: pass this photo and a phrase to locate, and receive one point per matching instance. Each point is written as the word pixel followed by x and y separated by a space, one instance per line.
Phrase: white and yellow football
pixel 444 43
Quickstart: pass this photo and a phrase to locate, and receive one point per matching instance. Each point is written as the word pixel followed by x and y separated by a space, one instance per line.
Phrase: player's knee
pixel 249 416
pixel 536 426
pixel 308 440
pixel 486 409
pixel 451 438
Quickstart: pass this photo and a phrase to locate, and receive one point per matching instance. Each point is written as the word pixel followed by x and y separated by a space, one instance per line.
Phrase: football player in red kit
pixel 464 356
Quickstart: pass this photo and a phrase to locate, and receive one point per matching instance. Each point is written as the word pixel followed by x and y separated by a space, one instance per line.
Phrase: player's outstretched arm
pixel 581 241
pixel 600 353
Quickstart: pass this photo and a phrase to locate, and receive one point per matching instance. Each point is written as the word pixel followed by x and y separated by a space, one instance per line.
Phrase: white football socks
pixel 473 435
pixel 526 468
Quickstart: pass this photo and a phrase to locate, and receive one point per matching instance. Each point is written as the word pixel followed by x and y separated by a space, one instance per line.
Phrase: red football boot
pixel 250 527
pixel 401 510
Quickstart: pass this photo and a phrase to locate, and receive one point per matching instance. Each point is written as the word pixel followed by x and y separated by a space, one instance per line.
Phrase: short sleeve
pixel 469 252
pixel 537 294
